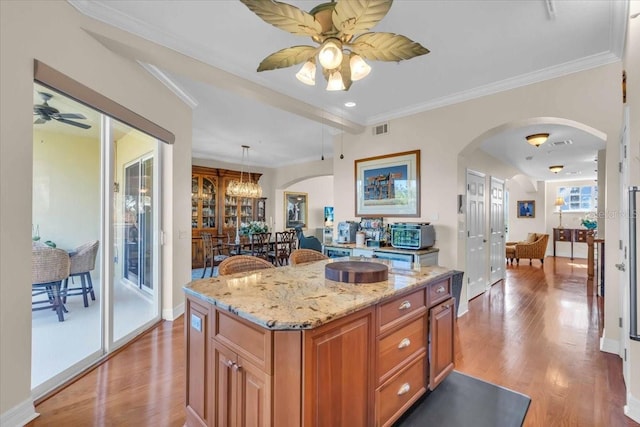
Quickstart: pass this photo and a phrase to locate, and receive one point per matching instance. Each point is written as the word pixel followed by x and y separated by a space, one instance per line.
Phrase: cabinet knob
pixel 406 342
pixel 404 389
pixel 405 305
pixel 440 290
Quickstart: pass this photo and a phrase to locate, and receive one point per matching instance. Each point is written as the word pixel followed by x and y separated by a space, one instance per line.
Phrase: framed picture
pixel 526 208
pixel 295 210
pixel 388 185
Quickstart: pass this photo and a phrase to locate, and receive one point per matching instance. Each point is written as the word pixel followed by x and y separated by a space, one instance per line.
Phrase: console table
pixel 571 235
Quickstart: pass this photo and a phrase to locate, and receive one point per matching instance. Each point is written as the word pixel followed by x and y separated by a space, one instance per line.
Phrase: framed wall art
pixel 388 185
pixel 526 208
pixel 295 209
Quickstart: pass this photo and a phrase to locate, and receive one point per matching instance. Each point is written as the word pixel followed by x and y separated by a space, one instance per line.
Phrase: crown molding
pixel 174 87
pixel 560 70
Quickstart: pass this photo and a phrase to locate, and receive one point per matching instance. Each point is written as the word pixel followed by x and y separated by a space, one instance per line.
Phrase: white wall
pixel 519 228
pixel 25 35
pixel 66 188
pixel 320 194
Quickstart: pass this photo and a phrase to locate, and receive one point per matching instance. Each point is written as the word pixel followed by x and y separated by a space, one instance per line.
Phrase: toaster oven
pixel 412 235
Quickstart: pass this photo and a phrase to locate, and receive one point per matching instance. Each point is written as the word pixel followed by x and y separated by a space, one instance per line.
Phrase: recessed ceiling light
pixel 350 104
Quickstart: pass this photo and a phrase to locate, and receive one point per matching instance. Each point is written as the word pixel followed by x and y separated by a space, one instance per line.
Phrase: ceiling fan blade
pixel 352 17
pixel 39 121
pixel 284 16
pixel 386 47
pixel 72 123
pixel 71 116
pixel 287 57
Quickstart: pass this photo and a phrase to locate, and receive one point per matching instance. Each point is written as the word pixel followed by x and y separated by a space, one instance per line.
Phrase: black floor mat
pixel 461 401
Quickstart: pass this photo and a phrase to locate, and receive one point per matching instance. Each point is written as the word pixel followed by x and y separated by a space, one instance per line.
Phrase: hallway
pixel 536 333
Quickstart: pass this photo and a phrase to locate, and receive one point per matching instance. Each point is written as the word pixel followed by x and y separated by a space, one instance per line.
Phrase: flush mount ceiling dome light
pixel 537 139
pixel 340 28
pixel 556 168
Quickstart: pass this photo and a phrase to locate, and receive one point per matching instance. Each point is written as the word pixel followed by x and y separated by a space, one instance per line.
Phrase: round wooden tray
pixel 356 272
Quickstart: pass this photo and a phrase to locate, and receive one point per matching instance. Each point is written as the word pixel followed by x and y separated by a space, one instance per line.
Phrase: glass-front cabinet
pixel 214 211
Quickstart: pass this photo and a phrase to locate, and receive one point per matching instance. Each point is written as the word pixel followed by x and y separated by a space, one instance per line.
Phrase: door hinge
pixel 468 280
pixel 468 187
pixel 468 233
pixel 620 322
pixel 620 244
pixel 620 167
pixel 625 354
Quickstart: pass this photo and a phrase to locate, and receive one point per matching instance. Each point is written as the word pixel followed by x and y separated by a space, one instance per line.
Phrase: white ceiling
pixel 477 47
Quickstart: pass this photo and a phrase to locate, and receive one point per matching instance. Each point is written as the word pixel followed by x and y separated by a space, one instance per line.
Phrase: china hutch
pixel 214 211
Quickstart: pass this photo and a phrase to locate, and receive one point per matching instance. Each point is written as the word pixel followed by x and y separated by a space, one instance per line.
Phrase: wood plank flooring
pixel 536 333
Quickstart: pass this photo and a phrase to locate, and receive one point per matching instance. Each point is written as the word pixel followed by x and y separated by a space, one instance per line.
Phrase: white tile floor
pixel 56 346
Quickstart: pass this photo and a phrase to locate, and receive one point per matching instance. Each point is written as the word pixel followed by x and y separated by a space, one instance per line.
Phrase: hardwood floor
pixel 536 333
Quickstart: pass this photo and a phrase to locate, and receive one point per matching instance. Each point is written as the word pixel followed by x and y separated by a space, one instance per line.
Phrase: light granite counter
pixel 299 297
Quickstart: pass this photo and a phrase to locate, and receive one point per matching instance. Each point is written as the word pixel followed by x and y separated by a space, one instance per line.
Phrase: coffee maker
pixel 347 231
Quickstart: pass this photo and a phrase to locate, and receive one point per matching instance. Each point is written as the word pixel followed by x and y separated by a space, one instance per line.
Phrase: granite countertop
pixel 299 297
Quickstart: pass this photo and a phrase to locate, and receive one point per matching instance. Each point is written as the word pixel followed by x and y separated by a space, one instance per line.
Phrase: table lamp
pixel 560 203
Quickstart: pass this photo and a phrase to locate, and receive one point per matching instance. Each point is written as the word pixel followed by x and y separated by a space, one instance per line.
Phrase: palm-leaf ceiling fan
pixel 341 30
pixel 45 113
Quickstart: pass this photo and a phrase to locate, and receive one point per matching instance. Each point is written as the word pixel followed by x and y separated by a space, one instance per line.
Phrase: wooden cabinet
pixel 338 384
pixel 241 391
pixel 197 356
pixel 364 369
pixel 213 211
pixel 441 325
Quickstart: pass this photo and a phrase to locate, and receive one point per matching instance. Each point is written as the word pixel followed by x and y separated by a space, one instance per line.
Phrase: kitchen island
pixel 287 347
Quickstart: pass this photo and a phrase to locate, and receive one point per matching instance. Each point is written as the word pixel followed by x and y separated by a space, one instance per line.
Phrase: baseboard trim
pixel 172 314
pixel 464 311
pixel 632 408
pixel 19 415
pixel 610 346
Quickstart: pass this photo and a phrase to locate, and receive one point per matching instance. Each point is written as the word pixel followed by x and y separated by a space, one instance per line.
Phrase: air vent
pixel 561 143
pixel 381 129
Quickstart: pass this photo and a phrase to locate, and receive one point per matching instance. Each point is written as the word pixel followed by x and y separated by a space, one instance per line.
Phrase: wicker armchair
pixel 83 261
pixel 534 247
pixel 301 256
pixel 49 267
pixel 242 263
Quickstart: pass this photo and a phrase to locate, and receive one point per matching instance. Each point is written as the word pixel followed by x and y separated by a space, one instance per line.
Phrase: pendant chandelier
pixel 244 188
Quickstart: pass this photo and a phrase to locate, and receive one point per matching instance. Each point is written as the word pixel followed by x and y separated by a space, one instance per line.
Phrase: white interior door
pixel 476 234
pixel 623 259
pixel 496 236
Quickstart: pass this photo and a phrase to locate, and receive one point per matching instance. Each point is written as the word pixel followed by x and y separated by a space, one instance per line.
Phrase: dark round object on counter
pixel 356 272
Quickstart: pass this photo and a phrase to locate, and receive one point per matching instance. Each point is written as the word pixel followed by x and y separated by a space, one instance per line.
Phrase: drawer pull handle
pixel 404 389
pixel 440 290
pixel 405 305
pixel 406 342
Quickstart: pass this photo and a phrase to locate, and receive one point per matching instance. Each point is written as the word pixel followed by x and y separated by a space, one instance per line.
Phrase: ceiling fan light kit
pixel 341 30
pixel 537 139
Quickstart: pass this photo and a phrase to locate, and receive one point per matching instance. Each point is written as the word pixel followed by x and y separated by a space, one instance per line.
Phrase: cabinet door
pixel 208 193
pixel 254 396
pixel 196 332
pixel 338 385
pixel 441 325
pixel 224 393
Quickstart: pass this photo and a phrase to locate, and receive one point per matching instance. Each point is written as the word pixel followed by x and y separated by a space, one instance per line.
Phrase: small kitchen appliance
pixel 412 235
pixel 347 231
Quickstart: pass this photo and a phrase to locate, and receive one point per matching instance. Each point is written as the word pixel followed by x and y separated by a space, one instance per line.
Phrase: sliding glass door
pixel 95 181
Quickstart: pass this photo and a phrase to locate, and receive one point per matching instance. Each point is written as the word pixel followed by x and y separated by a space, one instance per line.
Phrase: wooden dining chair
pixel 241 264
pixel 284 244
pixel 260 245
pixel 213 252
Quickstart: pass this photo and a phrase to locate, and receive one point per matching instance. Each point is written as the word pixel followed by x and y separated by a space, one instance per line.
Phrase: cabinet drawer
pixel 438 292
pixel 581 236
pixel 249 341
pixel 400 345
pixel 400 392
pixel 392 312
